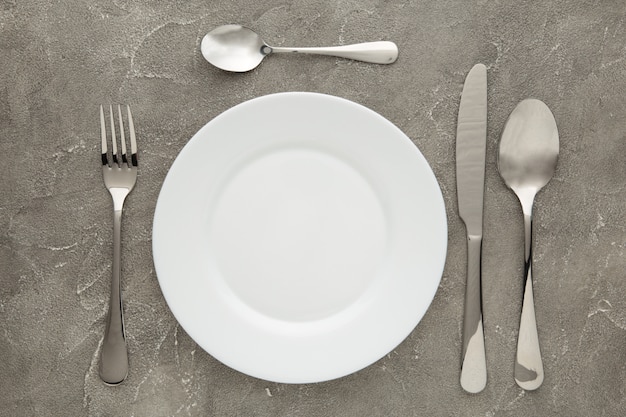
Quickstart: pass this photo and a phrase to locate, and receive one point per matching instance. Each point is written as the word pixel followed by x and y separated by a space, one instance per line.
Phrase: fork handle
pixel 114 356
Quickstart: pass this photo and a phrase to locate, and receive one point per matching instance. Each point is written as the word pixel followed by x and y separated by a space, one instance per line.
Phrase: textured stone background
pixel 61 59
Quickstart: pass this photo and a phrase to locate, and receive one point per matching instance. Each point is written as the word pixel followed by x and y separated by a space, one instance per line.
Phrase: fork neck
pixel 118 195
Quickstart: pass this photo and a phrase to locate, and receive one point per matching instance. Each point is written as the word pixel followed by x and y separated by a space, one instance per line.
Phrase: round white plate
pixel 299 237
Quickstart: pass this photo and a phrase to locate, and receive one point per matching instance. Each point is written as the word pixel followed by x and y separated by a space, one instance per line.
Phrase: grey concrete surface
pixel 61 59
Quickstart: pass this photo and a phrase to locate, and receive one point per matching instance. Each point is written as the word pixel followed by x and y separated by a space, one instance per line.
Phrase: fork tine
pixel 122 134
pixel 103 134
pixel 133 140
pixel 113 137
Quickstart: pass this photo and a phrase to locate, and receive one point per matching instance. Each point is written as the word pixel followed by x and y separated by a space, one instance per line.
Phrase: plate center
pixel 298 234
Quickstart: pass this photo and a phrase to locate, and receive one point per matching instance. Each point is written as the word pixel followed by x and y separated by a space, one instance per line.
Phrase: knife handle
pixel 474 363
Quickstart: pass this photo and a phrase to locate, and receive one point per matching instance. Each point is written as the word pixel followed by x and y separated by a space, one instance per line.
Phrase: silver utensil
pixel 119 178
pixel 239 49
pixel 471 142
pixel 529 149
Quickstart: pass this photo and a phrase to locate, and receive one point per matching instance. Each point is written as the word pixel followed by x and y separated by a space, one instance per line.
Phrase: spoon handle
pixel 382 52
pixel 528 364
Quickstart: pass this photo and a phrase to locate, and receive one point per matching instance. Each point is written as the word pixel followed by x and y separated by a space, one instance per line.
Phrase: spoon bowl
pixel 239 49
pixel 234 48
pixel 529 149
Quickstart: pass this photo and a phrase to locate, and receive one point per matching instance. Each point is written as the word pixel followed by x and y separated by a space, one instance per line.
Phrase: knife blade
pixel 471 141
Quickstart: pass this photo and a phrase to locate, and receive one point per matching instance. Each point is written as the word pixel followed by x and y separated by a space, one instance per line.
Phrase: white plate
pixel 299 237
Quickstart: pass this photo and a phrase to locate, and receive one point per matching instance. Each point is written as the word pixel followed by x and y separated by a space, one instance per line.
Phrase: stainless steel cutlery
pixel 119 169
pixel 527 158
pixel 471 142
pixel 239 49
pixel 529 150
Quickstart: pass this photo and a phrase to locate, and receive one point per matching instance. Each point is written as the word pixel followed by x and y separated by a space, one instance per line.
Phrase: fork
pixel 119 179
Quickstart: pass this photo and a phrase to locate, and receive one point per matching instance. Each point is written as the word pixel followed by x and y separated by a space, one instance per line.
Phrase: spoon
pixel 529 149
pixel 239 49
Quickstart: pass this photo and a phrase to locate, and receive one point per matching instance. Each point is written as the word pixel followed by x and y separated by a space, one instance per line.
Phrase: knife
pixel 471 142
